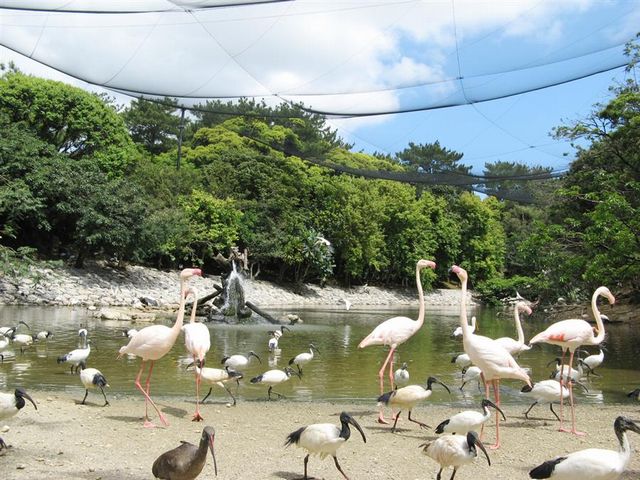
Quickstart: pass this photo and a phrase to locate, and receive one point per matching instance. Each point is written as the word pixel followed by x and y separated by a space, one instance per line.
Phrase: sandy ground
pixel 65 440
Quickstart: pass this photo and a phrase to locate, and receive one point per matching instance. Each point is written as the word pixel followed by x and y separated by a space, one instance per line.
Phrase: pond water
pixel 340 372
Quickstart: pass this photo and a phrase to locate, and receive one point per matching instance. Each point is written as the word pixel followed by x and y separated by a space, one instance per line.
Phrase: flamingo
pixel 570 335
pixel 489 356
pixel 197 341
pixel 592 463
pixel 458 331
pixel 515 347
pixel 154 342
pixel 397 330
pixel 186 461
pixel 454 451
pixel 324 439
pixel 303 358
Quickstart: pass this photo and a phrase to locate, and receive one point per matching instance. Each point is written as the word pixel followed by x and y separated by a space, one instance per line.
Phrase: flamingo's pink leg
pixel 147 423
pixel 573 410
pixel 486 395
pixel 196 416
pixel 381 376
pixel 496 392
pixel 562 429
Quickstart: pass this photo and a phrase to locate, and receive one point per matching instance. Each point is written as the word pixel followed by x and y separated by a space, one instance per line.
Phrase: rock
pixel 149 302
pixel 5 429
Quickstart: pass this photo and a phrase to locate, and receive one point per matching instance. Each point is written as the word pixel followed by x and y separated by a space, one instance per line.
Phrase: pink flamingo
pixel 570 335
pixel 396 331
pixel 197 341
pixel 515 347
pixel 154 342
pixel 488 355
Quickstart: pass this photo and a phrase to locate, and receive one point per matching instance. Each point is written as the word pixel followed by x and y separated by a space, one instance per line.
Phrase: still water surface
pixel 340 372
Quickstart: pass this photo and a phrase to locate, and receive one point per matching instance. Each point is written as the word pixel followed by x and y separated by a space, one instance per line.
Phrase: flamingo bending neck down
pixel 397 330
pixel 570 335
pixel 154 342
pixel 515 347
pixel 488 355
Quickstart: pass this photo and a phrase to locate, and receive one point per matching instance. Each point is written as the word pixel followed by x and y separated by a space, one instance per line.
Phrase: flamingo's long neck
pixel 466 331
pixel 519 326
pixel 175 330
pixel 596 312
pixel 192 319
pixel 420 321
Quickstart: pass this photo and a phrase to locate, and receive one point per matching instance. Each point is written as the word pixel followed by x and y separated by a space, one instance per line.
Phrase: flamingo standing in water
pixel 397 330
pixel 197 341
pixel 488 355
pixel 154 342
pixel 515 347
pixel 570 335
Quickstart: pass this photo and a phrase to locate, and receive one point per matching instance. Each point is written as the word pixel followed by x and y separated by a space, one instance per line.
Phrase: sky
pixel 452 60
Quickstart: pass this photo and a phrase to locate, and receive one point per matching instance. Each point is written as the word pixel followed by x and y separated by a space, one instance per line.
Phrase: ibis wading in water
pixel 275 377
pixel 197 341
pixel 397 330
pixel 324 439
pixel 569 335
pixel 406 398
pixel 401 375
pixel 592 463
pixel 303 358
pixel 217 376
pixel 154 342
pixel 494 361
pixel 186 461
pixel 12 403
pixel 239 362
pixel 454 451
pixel 76 357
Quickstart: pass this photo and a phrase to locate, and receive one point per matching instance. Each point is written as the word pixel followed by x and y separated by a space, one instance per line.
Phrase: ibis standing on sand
pixel 489 356
pixel 516 347
pixel 217 376
pixel 92 378
pixel 239 362
pixel 12 403
pixel 397 330
pixel 406 398
pixel 546 391
pixel 569 335
pixel 454 451
pixel 324 439
pixel 303 358
pixel 186 461
pixel 76 357
pixel 154 342
pixel 592 463
pixel 469 420
pixel 197 341
pixel 275 377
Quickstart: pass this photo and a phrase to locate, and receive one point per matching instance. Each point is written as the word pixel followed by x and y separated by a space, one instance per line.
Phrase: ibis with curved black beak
pixel 12 403
pixel 454 451
pixel 324 439
pixel 303 358
pixel 239 362
pixel 469 420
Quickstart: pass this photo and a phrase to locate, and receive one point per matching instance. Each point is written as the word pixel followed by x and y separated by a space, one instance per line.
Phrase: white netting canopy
pixel 342 58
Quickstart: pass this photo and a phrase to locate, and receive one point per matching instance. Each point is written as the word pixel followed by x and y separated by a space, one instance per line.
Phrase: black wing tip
pixel 62 359
pixel 385 397
pixel 545 470
pixel 292 361
pixel 100 380
pixel 256 379
pixel 294 437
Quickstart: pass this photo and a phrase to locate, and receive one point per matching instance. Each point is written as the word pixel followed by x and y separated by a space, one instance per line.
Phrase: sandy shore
pixel 64 440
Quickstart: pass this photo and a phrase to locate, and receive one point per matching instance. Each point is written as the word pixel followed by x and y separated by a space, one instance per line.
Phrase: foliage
pixel 496 290
pixel 153 125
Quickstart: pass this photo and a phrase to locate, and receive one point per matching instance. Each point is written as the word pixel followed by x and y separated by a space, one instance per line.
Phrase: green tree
pixel 153 125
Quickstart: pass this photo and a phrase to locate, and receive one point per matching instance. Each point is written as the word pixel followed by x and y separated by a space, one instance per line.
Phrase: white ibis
pixel 454 451
pixel 23 340
pixel 76 357
pixel 129 332
pixel 154 342
pixel 406 398
pixel 458 331
pixel 469 420
pixel 5 340
pixel 594 361
pixel 6 330
pixel 275 377
pixel 462 360
pixel 565 372
pixel 303 358
pixel 186 461
pixel 239 362
pixel 469 374
pixel 490 357
pixel 275 338
pixel 572 334
pixel 401 375
pixel 324 439
pixel 397 330
pixel 546 391
pixel 92 378
pixel 12 403
pixel 44 335
pixel 197 341
pixel 592 463
pixel 516 347
pixel 217 376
